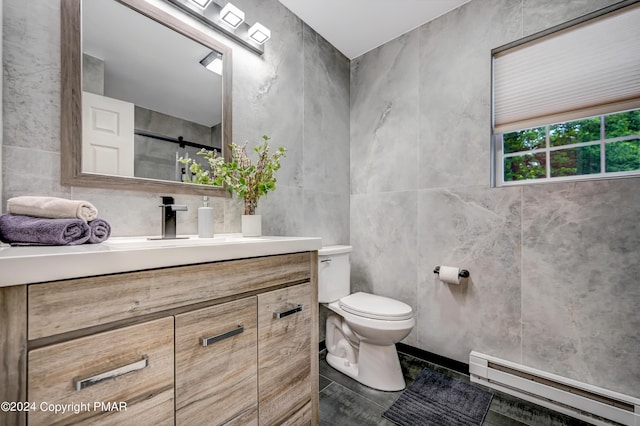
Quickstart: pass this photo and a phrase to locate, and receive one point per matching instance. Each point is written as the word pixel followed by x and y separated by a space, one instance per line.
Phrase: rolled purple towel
pixel 100 231
pixel 41 231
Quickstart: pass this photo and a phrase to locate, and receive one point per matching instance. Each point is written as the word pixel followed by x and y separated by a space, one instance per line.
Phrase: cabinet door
pixel 117 377
pixel 284 352
pixel 216 363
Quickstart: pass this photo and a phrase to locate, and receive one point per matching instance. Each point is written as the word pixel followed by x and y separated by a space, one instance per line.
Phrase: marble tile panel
pixel 455 91
pixel 92 74
pixel 134 213
pixel 326 215
pixel 232 209
pixel 383 236
pixel 538 15
pixel 282 212
pixel 326 116
pixel 167 125
pixel 31 86
pixel 579 289
pixel 384 117
pixel 268 89
pixel 154 159
pixel 130 213
pixel 31 172
pixel 477 229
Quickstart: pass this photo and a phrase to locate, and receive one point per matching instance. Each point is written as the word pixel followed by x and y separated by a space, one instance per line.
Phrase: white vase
pixel 251 225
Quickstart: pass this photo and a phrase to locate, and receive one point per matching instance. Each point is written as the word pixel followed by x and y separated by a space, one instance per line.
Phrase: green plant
pixel 197 174
pixel 249 181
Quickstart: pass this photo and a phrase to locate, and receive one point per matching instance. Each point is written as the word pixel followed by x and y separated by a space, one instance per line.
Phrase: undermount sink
pixel 155 242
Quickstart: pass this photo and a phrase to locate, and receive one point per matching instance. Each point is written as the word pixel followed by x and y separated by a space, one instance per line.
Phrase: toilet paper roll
pixel 449 275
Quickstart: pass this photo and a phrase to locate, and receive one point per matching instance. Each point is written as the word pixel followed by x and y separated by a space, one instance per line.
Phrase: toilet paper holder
pixel 462 274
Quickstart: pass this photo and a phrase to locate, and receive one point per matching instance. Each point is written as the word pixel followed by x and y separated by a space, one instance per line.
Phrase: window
pixel 603 146
pixel 566 103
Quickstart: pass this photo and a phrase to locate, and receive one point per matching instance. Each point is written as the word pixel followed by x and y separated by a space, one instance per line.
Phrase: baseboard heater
pixel 580 400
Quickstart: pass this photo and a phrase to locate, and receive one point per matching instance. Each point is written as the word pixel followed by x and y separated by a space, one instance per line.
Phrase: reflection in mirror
pixel 153 89
pixel 164 90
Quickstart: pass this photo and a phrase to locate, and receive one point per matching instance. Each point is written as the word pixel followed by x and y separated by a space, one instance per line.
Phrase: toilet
pixel 362 331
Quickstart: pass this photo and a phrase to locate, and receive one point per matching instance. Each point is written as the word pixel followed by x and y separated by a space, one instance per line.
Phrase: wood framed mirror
pixel 181 128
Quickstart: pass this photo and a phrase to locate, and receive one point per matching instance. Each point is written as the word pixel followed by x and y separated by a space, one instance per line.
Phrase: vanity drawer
pixel 64 306
pixel 216 365
pixel 131 365
pixel 284 348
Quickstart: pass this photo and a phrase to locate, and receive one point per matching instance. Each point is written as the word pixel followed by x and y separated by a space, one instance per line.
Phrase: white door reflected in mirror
pixel 107 135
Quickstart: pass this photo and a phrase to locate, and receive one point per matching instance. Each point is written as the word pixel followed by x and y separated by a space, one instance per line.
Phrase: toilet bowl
pixel 362 333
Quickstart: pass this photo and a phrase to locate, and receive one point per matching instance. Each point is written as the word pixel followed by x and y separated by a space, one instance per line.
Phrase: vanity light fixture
pixel 232 15
pixel 202 3
pixel 213 62
pixel 259 33
pixel 227 20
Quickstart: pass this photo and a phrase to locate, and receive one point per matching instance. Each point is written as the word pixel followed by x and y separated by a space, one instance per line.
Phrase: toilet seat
pixel 375 307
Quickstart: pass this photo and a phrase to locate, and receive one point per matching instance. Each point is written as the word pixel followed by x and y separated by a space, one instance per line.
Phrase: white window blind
pixel 589 69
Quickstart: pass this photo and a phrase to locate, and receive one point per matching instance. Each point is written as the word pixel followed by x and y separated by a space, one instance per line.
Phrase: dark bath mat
pixel 436 399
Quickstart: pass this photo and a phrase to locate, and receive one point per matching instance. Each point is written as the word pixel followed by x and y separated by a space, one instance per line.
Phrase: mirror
pixel 140 88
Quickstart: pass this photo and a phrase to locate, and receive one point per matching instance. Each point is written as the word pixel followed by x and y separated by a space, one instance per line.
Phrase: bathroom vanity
pixel 223 333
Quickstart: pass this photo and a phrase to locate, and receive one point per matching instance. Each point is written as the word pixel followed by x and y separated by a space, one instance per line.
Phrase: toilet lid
pixel 376 307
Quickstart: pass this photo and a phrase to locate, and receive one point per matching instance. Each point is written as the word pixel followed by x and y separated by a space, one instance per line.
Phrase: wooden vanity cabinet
pixel 216 364
pixel 284 344
pixel 231 342
pixel 128 371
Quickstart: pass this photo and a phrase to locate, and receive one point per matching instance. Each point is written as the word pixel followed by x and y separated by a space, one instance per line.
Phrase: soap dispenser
pixel 205 220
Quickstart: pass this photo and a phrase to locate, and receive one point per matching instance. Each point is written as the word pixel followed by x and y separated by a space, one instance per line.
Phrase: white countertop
pixel 24 265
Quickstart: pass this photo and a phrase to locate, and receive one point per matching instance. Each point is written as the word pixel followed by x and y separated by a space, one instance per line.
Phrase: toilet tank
pixel 334 273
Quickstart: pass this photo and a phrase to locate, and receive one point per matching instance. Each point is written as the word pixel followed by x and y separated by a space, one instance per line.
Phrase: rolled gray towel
pixel 100 231
pixel 41 231
pixel 52 207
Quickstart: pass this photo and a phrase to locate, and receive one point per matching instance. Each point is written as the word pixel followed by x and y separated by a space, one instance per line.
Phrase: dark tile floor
pixel 344 401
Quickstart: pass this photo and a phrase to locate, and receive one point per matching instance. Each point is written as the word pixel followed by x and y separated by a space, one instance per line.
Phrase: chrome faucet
pixel 169 209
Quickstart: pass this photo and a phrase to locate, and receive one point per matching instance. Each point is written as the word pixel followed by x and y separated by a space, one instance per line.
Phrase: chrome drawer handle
pixel 80 384
pixel 206 341
pixel 327 260
pixel 282 314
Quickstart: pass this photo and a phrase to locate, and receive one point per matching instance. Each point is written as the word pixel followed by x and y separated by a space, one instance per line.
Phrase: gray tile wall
pixel 553 267
pixel 272 93
pixel 92 74
pixel 156 159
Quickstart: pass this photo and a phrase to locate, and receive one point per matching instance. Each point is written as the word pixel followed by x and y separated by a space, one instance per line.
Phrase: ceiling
pixel 356 26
